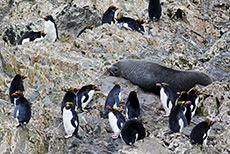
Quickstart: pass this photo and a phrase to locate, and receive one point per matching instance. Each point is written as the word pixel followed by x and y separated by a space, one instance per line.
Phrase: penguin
pixel 85 95
pixel 108 16
pixel 116 121
pixel 184 96
pixel 200 132
pixel 70 96
pixel 50 28
pixel 70 120
pixel 113 99
pixel 141 22
pixel 166 97
pixel 194 98
pixel 131 131
pixel 128 23
pixel 132 106
pixel 154 10
pixel 86 27
pixel 177 119
pixel 22 110
pixel 16 85
pixel 31 36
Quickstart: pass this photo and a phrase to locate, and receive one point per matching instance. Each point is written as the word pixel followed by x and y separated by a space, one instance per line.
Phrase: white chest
pixel 91 93
pixel 113 123
pixel 50 30
pixel 181 123
pixel 67 116
pixel 164 99
pixel 206 139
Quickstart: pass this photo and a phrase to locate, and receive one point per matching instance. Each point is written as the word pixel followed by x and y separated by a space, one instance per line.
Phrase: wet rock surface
pixel 191 35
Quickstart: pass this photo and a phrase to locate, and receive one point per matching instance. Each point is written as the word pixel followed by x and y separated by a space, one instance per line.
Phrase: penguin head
pixel 43 34
pixel 113 8
pixel 140 21
pixel 162 84
pixel 90 27
pixel 182 103
pixel 20 76
pixel 48 17
pixel 92 86
pixel 68 105
pixel 17 94
pixel 209 122
pixel 73 90
pixel 194 91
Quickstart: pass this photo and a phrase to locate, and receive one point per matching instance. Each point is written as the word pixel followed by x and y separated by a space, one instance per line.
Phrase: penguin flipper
pixel 117 101
pixel 86 97
pixel 120 25
pixel 12 99
pixel 74 120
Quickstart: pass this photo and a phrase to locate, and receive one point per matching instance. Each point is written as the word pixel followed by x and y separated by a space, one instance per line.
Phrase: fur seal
pixel 146 74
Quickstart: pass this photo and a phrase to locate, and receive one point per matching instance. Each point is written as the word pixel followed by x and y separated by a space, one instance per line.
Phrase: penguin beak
pixel 188 102
pixel 158 84
pixel 116 8
pixel 97 89
pixel 14 94
pixel 78 88
pixel 115 18
pixel 67 105
pixel 24 77
pixel 45 33
pixel 108 107
pixel 44 18
pixel 92 26
pixel 144 21
pixel 201 93
pixel 178 93
pixel 214 121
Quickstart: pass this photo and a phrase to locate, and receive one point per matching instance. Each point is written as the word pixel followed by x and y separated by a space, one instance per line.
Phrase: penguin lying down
pixel 32 37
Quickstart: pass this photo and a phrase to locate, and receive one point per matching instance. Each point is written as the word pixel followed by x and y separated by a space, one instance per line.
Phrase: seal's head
pixel 114 70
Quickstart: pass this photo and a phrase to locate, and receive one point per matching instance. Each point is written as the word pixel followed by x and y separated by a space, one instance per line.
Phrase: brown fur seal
pixel 147 74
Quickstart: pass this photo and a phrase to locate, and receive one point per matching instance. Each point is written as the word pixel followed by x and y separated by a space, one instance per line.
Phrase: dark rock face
pixel 10 36
pixel 74 19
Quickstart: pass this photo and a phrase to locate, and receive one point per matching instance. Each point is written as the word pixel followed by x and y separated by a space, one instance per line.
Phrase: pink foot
pixel 114 136
pixel 68 136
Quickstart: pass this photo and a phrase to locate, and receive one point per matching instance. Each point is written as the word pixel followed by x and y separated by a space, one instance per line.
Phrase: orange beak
pixel 158 84
pixel 108 107
pixel 188 102
pixel 14 94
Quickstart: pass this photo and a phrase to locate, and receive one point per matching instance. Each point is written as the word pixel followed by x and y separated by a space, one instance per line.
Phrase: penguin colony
pixel 179 108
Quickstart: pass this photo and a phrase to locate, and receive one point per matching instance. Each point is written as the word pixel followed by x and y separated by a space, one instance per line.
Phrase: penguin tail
pixel 169 133
pixel 76 135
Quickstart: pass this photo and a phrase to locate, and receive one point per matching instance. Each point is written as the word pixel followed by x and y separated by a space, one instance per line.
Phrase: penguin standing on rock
pixel 154 10
pixel 128 23
pixel 50 28
pixel 132 106
pixel 22 110
pixel 112 99
pixel 166 97
pixel 108 16
pixel 84 29
pixel 70 120
pixel 177 119
pixel 194 98
pixel 16 85
pixel 200 132
pixel 116 120
pixel 85 95
pixel 31 36
pixel 131 131
pixel 70 96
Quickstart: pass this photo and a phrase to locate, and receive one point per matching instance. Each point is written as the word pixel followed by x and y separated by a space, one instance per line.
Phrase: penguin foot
pixel 68 136
pixel 168 133
pixel 114 136
pixel 192 121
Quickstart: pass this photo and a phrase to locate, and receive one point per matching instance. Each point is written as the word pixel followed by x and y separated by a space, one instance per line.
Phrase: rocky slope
pixel 191 35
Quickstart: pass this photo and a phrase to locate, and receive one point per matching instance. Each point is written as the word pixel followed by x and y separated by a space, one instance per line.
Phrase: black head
pixel 92 86
pixel 117 86
pixel 114 8
pixel 42 34
pixel 20 76
pixel 140 21
pixel 162 84
pixel 133 94
pixel 73 90
pixel 17 94
pixel 68 105
pixel 209 122
pixel 48 17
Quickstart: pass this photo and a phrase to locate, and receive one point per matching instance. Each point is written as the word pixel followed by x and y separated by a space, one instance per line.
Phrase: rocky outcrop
pixel 191 35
